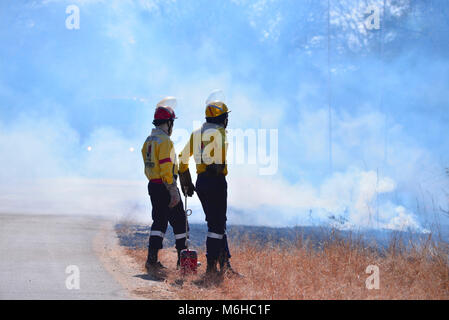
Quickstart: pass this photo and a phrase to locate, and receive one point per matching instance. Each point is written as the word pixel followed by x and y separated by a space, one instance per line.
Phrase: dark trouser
pixel 213 194
pixel 162 215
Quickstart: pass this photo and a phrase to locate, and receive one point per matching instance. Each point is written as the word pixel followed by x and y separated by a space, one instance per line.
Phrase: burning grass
pixel 334 270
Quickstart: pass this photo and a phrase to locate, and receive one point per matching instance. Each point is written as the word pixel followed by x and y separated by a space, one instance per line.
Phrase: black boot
pixel 152 264
pixel 178 263
pixel 225 265
pixel 211 266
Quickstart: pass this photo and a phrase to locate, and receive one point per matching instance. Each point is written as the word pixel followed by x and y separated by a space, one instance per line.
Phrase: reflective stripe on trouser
pixel 162 215
pixel 180 236
pixel 157 234
pixel 212 191
pixel 215 235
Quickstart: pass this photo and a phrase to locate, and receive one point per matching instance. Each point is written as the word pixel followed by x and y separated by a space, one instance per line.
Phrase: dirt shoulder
pixel 125 269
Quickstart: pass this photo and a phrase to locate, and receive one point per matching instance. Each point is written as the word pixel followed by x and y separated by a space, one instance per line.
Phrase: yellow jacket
pixel 208 145
pixel 159 157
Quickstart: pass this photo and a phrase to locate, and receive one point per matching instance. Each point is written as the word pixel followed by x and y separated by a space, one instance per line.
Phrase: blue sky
pixel 278 63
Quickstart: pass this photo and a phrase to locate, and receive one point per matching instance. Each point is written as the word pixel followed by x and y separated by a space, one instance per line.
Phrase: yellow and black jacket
pixel 208 145
pixel 159 157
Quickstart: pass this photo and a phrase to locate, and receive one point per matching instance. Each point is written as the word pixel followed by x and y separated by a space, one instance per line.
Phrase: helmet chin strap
pixel 170 127
pixel 167 127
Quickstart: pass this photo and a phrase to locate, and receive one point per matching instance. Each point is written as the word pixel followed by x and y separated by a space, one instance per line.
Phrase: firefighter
pixel 161 169
pixel 208 145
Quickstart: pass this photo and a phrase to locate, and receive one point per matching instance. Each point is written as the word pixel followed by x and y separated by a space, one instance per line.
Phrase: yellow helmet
pixel 215 109
pixel 215 105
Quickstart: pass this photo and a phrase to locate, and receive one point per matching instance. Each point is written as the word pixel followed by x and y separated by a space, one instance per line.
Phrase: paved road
pixel 35 251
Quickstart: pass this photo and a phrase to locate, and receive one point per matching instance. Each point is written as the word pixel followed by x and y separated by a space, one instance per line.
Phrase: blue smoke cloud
pixel 280 64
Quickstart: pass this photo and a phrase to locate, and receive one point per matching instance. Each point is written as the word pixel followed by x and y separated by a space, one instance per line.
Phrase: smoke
pixel 76 107
pixel 354 199
pixel 47 168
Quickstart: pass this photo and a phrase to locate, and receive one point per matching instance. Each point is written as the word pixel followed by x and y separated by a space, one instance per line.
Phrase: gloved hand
pixel 174 194
pixel 215 169
pixel 187 186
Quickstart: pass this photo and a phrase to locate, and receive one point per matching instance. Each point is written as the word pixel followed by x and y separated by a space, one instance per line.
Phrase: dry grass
pixel 336 271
